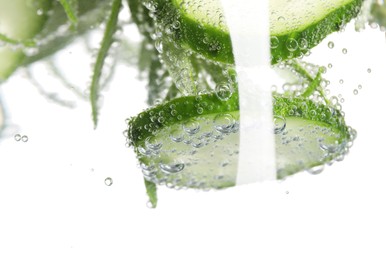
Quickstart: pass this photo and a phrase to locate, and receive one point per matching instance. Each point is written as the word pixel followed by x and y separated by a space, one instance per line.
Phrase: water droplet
pixel 223 91
pixel 24 138
pixel 368 70
pixel 224 123
pixel 281 18
pixel 279 124
pixel 191 127
pixel 17 137
pixel 329 65
pixel 359 86
pixel 344 51
pixel 341 81
pixel 109 181
pixel 172 168
pixel 330 45
pixel 355 91
pixel 150 205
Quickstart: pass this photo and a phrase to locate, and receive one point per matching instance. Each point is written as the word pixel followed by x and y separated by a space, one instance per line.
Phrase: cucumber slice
pixel 193 141
pixel 20 21
pixel 296 26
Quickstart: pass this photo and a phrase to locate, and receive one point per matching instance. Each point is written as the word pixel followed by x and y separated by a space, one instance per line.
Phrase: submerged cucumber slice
pixel 193 141
pixel 20 21
pixel 296 26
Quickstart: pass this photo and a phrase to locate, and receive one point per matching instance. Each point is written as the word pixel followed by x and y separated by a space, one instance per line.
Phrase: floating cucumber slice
pixel 20 21
pixel 193 141
pixel 296 26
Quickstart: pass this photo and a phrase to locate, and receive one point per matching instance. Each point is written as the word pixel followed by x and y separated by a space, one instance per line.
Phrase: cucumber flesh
pixel 198 146
pixel 296 26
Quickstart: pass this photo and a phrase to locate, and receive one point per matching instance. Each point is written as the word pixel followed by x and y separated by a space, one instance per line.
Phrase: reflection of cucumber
pixel 20 21
pixel 296 26
pixel 193 141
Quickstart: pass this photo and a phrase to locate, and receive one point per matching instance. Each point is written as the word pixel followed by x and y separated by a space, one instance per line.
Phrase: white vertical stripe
pixel 248 23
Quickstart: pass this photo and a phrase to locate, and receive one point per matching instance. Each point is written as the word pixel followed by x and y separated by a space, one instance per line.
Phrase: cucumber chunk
pixel 193 141
pixel 296 26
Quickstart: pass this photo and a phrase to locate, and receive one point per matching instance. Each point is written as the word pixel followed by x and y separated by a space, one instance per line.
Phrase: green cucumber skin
pixel 147 122
pixel 193 35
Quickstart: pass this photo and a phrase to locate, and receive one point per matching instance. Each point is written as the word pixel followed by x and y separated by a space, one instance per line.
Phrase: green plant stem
pixel 314 83
pixel 71 9
pixel 111 27
pixel 27 43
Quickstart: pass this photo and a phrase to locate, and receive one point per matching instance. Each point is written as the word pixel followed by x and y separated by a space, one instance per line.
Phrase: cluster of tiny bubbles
pixel 108 181
pixel 22 138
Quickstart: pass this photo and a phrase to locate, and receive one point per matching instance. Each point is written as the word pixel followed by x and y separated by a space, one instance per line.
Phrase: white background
pixel 54 203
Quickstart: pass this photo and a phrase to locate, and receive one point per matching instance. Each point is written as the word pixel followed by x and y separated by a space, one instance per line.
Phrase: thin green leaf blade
pixel 151 190
pixel 71 9
pixel 111 27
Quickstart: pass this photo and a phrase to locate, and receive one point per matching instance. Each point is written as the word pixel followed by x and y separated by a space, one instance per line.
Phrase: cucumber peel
pixel 193 141
pixel 295 26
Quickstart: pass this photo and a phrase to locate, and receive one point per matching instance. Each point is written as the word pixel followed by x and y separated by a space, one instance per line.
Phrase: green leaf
pixel 151 190
pixel 111 27
pixel 71 9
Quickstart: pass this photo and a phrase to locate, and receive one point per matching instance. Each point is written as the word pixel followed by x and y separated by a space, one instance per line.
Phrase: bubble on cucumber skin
pixel 223 91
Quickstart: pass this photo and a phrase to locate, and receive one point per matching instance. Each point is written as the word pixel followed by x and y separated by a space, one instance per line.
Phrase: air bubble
pixel 159 46
pixel 171 168
pixel 279 124
pixel 17 137
pixel 223 91
pixel 355 91
pixel 108 181
pixel 330 45
pixel 316 169
pixel 368 70
pixel 177 135
pixel 191 127
pixel 152 143
pixel 274 42
pixel 24 138
pixel 224 123
pixel 344 51
pixel 292 45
